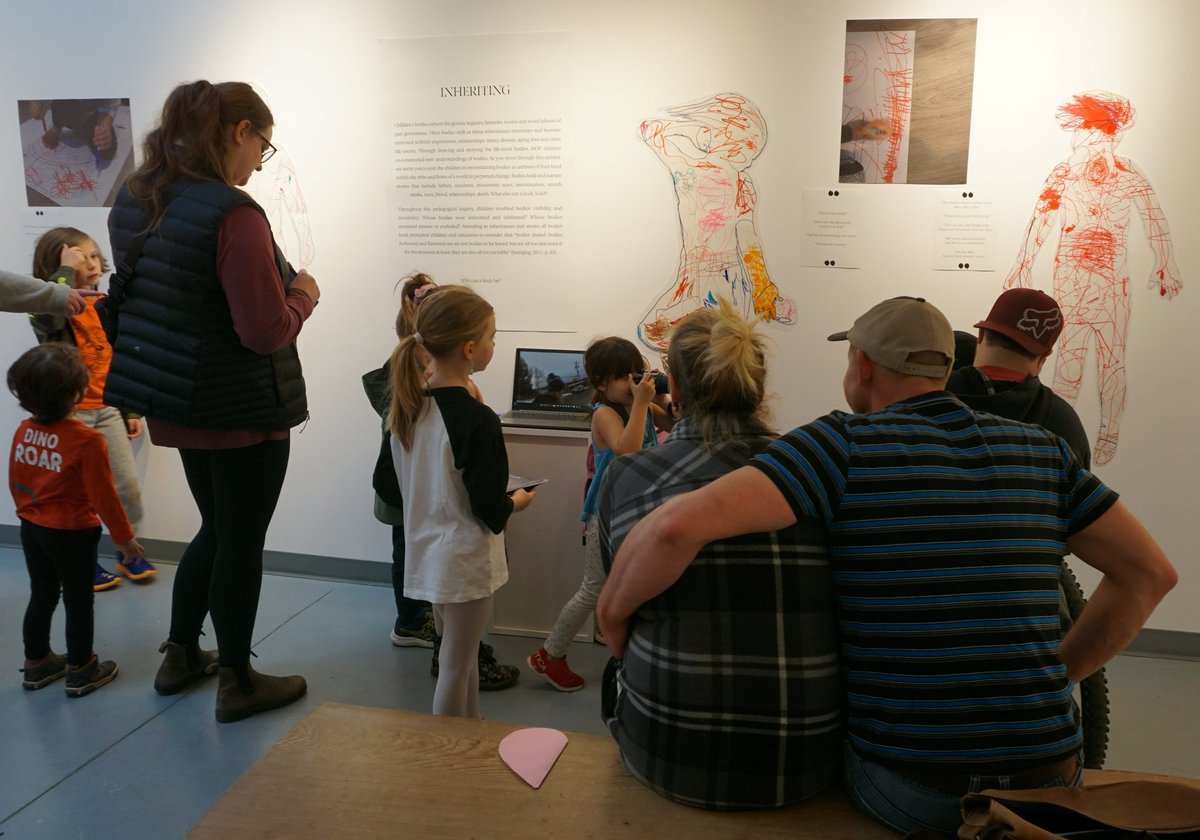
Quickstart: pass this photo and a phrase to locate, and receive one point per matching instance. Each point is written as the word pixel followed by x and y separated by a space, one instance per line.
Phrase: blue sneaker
pixel 104 579
pixel 136 568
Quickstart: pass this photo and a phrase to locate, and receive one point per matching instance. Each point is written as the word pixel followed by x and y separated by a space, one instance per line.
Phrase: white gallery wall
pixel 318 65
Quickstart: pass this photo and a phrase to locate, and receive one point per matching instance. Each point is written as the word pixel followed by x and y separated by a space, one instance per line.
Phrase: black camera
pixel 660 381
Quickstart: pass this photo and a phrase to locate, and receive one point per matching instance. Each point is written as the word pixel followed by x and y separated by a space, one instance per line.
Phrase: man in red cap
pixel 1014 342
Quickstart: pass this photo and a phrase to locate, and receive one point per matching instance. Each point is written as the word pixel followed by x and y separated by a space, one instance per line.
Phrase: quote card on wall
pixel 830 234
pixel 964 231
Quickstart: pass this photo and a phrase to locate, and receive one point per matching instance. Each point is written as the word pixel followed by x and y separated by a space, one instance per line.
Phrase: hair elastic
pixel 417 337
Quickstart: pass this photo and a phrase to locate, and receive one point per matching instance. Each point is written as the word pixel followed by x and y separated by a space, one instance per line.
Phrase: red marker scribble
pixel 899 98
pixel 1091 196
pixel 877 88
pixel 66 182
pixel 1095 113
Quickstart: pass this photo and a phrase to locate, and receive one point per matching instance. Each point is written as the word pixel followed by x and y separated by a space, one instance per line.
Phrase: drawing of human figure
pixel 708 145
pixel 277 190
pixel 1090 196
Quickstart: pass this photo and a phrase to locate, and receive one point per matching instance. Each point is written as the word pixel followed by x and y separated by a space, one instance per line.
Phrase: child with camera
pixel 623 421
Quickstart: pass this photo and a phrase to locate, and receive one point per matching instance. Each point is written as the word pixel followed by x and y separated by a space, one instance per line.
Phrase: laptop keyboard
pixel 529 414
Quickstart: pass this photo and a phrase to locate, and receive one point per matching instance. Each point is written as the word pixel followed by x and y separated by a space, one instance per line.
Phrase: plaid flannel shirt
pixel 729 690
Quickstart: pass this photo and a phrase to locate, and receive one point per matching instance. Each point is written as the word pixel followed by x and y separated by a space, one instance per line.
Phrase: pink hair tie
pixel 421 291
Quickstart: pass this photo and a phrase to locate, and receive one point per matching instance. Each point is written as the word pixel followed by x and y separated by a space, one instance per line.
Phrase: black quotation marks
pixel 833 263
pixel 966 195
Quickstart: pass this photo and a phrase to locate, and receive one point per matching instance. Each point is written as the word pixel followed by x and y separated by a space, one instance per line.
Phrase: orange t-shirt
pixel 60 478
pixel 96 352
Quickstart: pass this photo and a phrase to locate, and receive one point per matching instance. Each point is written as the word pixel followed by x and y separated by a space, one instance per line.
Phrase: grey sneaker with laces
pixel 422 637
pixel 88 677
pixel 51 667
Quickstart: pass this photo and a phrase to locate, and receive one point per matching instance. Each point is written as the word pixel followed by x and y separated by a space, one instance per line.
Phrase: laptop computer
pixel 550 391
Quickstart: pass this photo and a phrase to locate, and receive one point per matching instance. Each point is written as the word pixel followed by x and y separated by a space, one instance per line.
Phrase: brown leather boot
pixel 181 665
pixel 245 692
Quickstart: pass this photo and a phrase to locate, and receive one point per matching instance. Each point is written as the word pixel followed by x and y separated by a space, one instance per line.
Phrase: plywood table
pixel 349 771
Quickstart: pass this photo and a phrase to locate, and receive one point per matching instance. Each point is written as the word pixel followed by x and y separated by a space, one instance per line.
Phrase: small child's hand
pixel 522 499
pixel 71 257
pixel 872 130
pixel 132 549
pixel 643 390
pixel 133 427
pixel 102 136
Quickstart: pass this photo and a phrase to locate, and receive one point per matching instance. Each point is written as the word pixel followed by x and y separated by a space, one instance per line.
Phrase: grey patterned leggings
pixel 583 602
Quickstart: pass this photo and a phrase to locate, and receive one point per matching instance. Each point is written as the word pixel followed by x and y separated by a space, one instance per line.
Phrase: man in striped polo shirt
pixel 946 536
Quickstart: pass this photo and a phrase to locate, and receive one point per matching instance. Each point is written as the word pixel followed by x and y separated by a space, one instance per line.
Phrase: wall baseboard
pixel 1160 644
pixel 277 562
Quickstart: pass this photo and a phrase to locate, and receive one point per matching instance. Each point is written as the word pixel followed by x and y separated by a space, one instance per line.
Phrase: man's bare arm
pixel 1137 576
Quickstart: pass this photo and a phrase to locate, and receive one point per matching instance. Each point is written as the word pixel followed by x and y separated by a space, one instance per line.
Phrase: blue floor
pixel 124 762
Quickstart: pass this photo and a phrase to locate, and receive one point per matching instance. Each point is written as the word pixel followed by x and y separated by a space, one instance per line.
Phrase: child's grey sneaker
pixel 50 668
pixel 421 637
pixel 87 678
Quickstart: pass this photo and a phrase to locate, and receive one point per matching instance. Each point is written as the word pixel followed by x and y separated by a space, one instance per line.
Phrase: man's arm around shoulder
pixel 660 547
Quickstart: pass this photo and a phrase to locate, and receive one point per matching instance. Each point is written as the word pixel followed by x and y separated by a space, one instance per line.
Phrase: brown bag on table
pixel 1117 811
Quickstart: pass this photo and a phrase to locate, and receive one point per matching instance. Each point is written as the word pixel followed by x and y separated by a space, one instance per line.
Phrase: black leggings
pixel 221 570
pixel 57 560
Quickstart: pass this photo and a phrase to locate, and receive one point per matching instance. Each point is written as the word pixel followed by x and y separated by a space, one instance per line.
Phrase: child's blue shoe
pixel 137 568
pixel 104 579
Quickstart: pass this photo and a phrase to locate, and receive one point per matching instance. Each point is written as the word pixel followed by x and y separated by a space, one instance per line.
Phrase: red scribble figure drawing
pixel 1090 196
pixel 708 145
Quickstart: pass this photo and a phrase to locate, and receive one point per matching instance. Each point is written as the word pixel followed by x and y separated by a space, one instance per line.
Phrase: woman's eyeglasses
pixel 268 152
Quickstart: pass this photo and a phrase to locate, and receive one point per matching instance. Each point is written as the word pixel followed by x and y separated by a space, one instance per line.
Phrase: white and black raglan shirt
pixel 453 482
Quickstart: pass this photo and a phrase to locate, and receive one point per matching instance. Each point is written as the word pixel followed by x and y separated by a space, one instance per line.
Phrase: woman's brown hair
pixel 189 141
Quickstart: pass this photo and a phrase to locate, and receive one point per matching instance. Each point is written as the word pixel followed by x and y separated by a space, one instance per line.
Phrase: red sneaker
pixel 558 674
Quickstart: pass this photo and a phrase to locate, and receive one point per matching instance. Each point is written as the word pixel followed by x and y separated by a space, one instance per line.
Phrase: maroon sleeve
pixel 264 317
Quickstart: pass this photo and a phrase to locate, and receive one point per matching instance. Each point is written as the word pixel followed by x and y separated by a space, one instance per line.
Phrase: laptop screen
pixel 550 380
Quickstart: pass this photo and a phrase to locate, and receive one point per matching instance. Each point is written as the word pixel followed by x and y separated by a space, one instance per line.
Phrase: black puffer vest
pixel 177 356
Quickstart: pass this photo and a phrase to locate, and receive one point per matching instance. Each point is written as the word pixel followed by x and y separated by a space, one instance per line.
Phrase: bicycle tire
pixel 1093 691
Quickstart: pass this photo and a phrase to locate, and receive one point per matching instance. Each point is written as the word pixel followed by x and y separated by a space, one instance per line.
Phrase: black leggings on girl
pixel 221 570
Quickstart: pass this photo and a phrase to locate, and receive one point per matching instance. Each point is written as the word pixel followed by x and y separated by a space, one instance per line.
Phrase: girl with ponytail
pixel 452 469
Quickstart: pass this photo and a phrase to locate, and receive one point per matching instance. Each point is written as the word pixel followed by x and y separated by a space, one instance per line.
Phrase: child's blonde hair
pixel 416 286
pixel 718 360
pixel 445 321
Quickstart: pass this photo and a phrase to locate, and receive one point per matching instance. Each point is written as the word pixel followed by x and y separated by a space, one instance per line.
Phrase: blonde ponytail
pixel 718 360
pixel 444 322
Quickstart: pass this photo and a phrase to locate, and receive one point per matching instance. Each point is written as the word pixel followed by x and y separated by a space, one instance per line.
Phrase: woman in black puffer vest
pixel 206 351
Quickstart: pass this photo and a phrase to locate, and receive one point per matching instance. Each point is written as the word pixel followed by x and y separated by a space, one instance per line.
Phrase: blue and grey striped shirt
pixel 947 530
